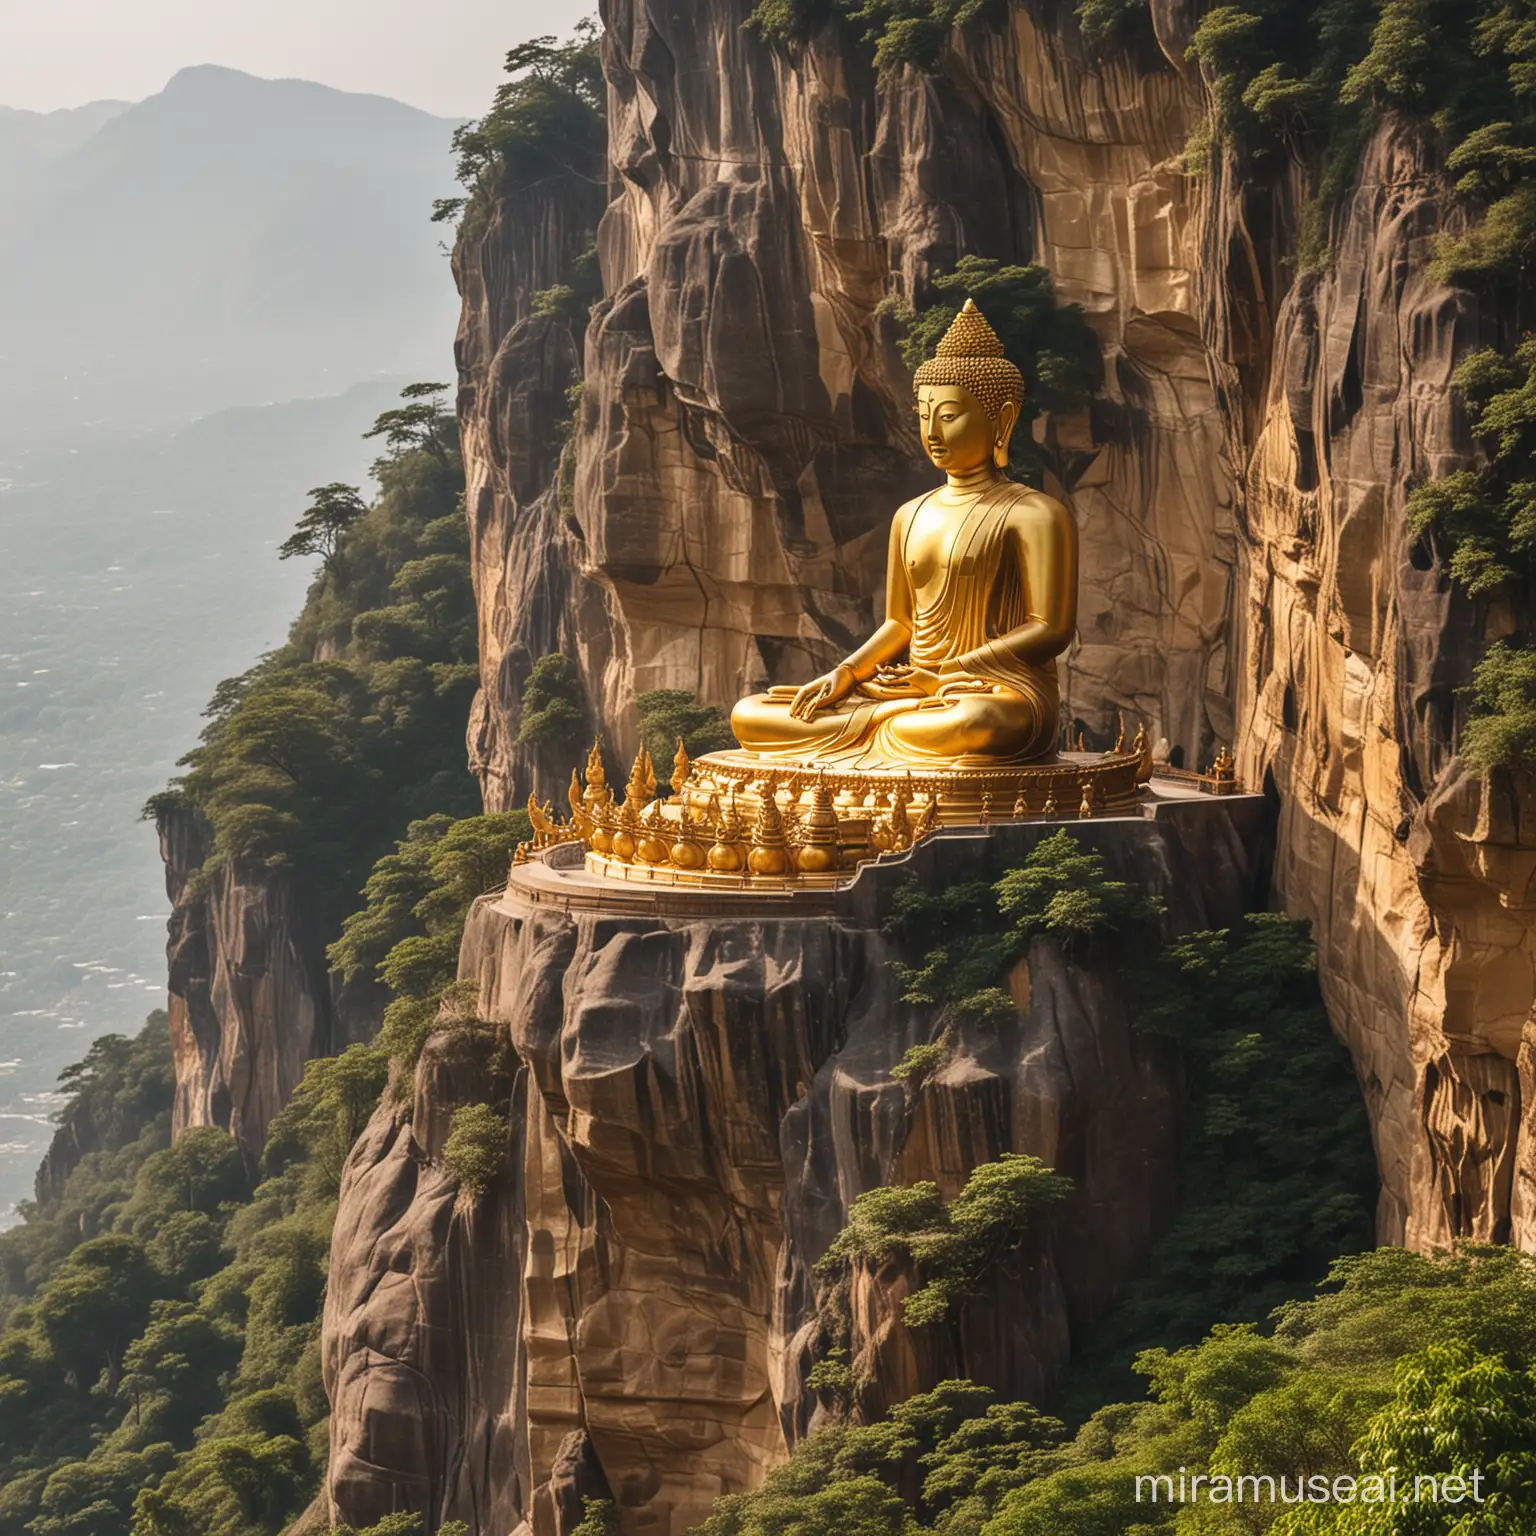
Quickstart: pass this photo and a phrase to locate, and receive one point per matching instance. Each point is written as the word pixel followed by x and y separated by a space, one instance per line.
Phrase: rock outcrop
pixel 745 433
pixel 629 1311
pixel 250 998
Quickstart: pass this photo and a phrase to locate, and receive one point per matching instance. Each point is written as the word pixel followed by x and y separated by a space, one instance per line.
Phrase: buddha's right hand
pixel 823 692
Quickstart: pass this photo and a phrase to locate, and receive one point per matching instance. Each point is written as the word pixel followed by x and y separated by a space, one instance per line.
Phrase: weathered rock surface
pixel 1415 872
pixel 693 1105
pixel 746 425
pixel 250 999
pixel 1239 486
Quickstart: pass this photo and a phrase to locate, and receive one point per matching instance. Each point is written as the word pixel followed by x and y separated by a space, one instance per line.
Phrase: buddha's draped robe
pixel 978 594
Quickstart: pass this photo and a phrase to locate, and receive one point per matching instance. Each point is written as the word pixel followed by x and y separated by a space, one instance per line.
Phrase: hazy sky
pixel 444 55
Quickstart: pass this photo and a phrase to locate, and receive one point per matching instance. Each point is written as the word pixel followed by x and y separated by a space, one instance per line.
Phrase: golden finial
pixel 626 839
pixel 900 823
pixel 604 825
pixel 727 856
pixel 682 766
pixel 650 775
pixel 688 851
pixel 597 781
pixel 636 793
pixel 653 846
pixel 1082 742
pixel 817 853
pixel 1120 739
pixel 770 847
pixel 1143 749
pixel 573 795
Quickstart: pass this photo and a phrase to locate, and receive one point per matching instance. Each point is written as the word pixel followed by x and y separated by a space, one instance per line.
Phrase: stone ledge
pixel 557 877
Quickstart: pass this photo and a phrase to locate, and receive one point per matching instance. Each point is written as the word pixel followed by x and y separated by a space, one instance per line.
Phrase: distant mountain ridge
pixel 228 240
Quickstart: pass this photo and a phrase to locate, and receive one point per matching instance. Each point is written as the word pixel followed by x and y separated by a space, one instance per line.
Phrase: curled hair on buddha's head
pixel 971 356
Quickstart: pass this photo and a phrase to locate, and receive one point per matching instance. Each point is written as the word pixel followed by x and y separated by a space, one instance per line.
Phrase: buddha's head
pixel 968 397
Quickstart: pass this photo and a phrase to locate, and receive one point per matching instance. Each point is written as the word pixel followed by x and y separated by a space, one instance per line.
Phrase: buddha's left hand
pixel 902 680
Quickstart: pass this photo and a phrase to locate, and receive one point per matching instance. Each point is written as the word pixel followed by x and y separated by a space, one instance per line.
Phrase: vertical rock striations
pixel 1239 483
pixel 629 1310
pixel 250 997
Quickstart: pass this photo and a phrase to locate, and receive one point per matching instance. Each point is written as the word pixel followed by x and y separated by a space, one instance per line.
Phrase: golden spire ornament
pixel 682 766
pixel 597 782
pixel 770 847
pixel 726 856
pixel 818 852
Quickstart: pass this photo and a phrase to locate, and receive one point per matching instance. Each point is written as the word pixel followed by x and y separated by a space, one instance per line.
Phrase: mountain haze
pixel 28 140
pixel 229 240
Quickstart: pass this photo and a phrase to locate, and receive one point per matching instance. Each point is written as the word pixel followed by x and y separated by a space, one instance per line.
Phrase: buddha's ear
pixel 1007 420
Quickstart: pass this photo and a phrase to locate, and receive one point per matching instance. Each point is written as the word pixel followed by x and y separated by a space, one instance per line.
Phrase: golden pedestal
pixel 735 822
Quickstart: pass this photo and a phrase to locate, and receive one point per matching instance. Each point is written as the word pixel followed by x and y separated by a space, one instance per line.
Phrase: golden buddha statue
pixel 981 598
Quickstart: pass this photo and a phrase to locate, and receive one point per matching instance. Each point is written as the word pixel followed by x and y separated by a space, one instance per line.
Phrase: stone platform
pixel 563 876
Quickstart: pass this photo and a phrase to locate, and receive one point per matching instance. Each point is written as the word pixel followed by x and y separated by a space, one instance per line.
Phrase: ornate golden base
pixel 1055 786
pixel 735 821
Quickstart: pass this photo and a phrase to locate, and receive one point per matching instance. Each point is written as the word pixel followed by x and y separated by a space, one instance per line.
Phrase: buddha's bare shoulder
pixel 1027 506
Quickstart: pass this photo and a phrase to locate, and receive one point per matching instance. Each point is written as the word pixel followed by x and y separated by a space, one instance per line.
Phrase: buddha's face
pixel 958 435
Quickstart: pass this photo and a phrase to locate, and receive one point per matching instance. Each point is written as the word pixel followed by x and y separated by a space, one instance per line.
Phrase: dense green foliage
pixel 408 930
pixel 160 1371
pixel 974 931
pixel 1052 344
pixel 314 759
pixel 1502 730
pixel 1483 522
pixel 1422 1364
pixel 164 1351
pixel 901 31
pixel 554 714
pixel 1312 77
pixel 670 715
pixel 1277 1174
pixel 548 120
pixel 476 1149
pixel 118 1113
pixel 953 1244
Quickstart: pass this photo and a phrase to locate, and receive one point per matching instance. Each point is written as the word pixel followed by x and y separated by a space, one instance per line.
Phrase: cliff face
pixel 745 433
pixel 250 1000
pixel 629 1310
pixel 746 427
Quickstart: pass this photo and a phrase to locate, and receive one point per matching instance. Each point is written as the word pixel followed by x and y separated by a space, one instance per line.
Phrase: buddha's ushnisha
pixel 981 597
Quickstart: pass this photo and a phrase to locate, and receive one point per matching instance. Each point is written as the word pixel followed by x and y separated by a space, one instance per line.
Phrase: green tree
pixel 668 715
pixel 201 1171
pixel 548 120
pixel 902 31
pixel 476 1149
pixel 95 1497
pixel 1501 732
pixel 333 510
pixel 95 1306
pixel 554 716
pixel 171 1372
pixel 422 424
pixel 955 1245
pixel 327 1112
pixel 1455 1413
